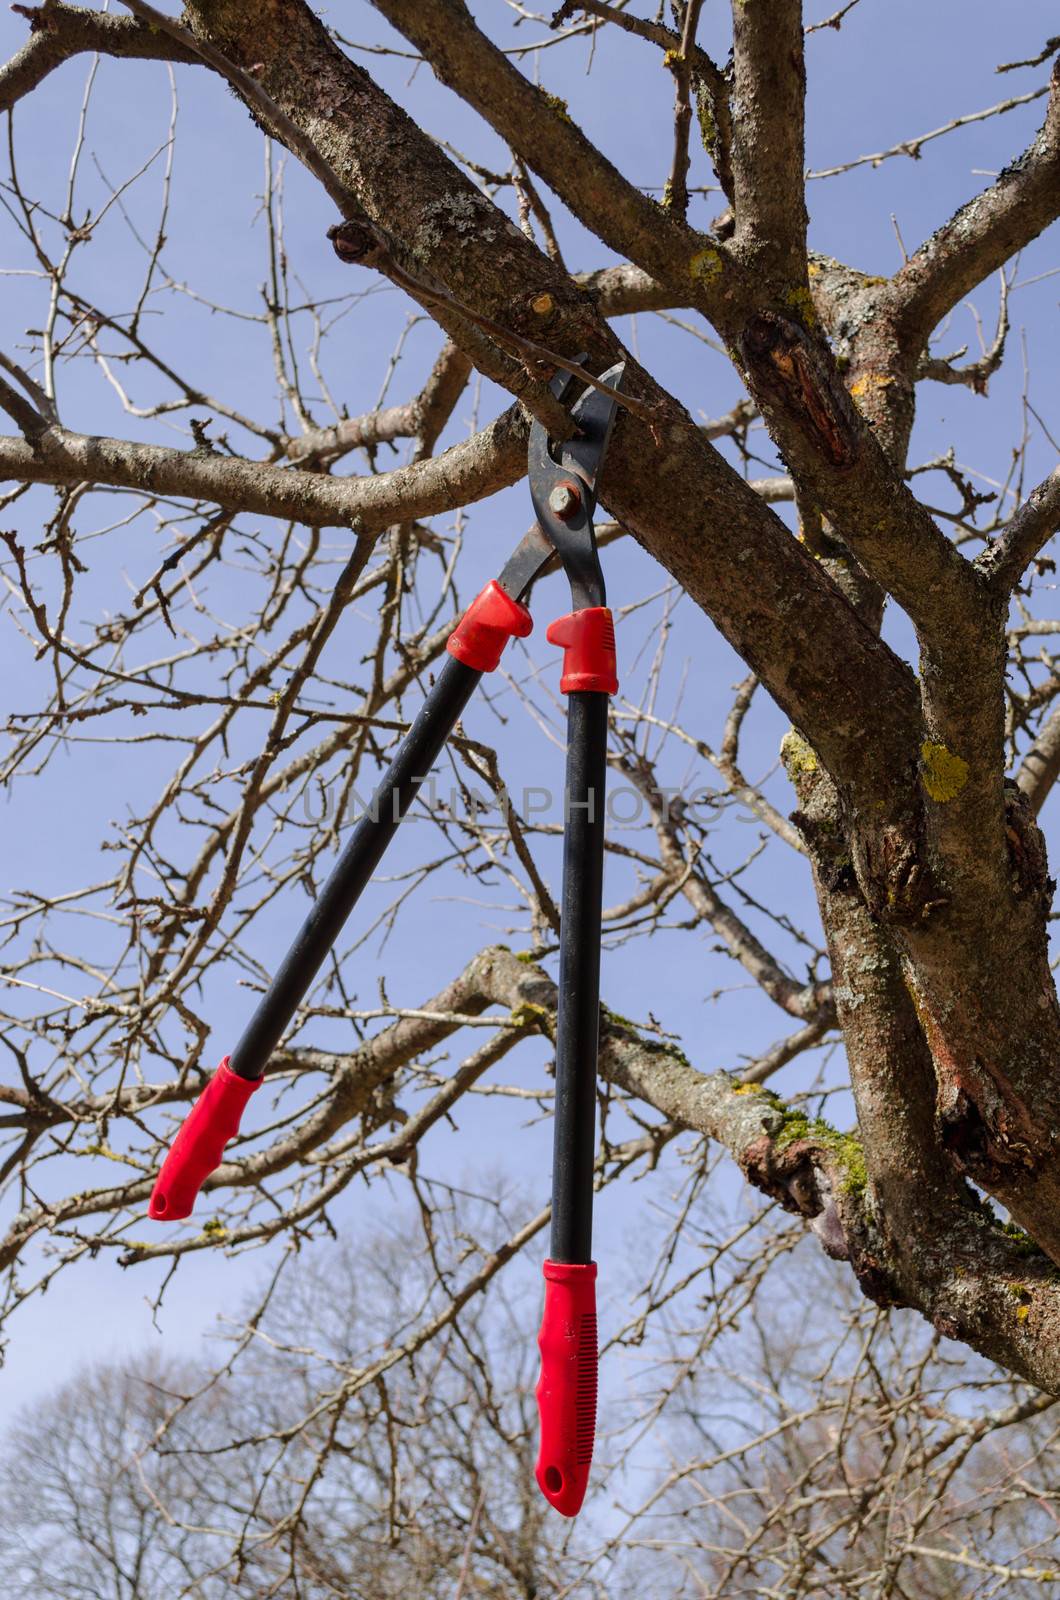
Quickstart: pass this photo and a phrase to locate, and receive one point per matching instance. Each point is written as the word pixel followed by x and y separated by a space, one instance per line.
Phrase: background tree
pixel 846 1456
pixel 172 1478
pixel 186 610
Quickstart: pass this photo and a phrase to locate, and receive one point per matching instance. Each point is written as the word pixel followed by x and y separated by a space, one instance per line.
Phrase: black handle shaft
pixel 578 1019
pixel 351 873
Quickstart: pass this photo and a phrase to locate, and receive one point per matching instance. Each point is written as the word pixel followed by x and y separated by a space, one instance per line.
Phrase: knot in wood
pixel 353 242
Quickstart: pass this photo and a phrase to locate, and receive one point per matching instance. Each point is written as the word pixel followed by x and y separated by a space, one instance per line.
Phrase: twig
pixel 834 21
pixel 912 147
pixel 1049 48
pixel 976 374
pixel 680 64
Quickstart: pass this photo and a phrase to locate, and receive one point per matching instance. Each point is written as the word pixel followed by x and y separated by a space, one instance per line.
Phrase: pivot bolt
pixel 564 501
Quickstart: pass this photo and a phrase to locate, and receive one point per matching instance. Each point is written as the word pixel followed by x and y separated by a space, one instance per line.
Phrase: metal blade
pixel 533 553
pixel 595 415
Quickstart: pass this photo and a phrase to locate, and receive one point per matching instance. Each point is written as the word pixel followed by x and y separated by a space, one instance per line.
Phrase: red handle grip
pixel 566 1390
pixel 589 659
pixel 492 618
pixel 200 1143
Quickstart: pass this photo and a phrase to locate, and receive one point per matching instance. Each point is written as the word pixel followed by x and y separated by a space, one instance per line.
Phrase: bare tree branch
pixel 1005 561
pixel 1041 765
pixel 467 472
pixel 59 32
pixel 982 235
pixel 768 139
pixel 547 138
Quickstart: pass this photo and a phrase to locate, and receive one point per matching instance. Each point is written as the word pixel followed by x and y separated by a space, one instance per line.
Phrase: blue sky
pixel 894 71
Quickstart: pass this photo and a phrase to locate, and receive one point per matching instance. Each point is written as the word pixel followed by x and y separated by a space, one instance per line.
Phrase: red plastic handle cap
pixel 588 640
pixel 200 1143
pixel 566 1390
pixel 491 619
